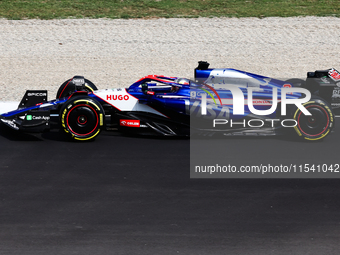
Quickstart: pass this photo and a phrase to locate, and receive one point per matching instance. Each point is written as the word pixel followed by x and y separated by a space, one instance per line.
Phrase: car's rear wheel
pixel 317 125
pixel 297 83
pixel 82 118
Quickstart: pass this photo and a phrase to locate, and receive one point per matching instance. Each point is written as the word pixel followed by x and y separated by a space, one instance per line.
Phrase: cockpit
pixel 172 87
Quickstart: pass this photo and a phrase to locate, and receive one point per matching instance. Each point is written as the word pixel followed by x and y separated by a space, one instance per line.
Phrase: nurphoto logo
pixel 238 102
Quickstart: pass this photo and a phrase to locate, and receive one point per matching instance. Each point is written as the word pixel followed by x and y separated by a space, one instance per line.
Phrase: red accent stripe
pixel 218 96
pixel 157 78
pixel 65 87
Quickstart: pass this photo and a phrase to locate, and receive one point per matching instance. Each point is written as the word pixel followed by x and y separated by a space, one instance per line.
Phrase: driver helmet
pixel 182 81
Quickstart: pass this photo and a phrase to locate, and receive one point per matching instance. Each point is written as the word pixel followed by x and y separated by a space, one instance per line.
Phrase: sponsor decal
pixel 336 93
pixel 36 94
pixel 117 97
pixel 334 74
pixel 79 81
pixel 41 117
pixel 32 117
pixel 129 123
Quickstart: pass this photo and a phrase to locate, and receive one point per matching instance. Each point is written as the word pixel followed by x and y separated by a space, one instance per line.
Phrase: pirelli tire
pixel 66 89
pixel 319 124
pixel 82 118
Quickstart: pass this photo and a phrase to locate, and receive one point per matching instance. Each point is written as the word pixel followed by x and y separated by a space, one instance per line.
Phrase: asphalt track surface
pixel 133 195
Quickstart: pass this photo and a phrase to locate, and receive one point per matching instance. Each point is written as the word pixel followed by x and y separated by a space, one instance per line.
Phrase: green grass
pixel 51 9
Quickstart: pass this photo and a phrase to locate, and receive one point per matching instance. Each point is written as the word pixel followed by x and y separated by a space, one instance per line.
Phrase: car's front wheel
pixel 82 118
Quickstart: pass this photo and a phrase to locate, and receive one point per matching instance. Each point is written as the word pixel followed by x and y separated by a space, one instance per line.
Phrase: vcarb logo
pixel 238 101
pixel 117 97
pixel 36 94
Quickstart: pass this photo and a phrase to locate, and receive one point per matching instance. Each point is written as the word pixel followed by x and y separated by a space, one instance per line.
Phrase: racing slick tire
pixel 82 118
pixel 319 124
pixel 66 90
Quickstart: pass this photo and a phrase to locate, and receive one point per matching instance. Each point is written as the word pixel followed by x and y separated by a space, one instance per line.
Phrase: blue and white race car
pixel 226 101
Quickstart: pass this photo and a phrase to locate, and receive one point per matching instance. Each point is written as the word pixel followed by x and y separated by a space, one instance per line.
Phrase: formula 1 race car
pixel 226 101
